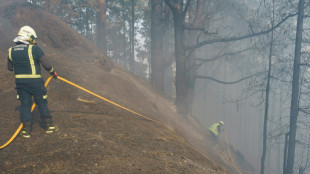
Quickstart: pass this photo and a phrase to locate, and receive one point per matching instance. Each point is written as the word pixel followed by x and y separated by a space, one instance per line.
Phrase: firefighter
pixel 215 129
pixel 24 59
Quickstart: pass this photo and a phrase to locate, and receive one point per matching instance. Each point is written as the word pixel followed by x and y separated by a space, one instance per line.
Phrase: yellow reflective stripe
pixel 52 69
pixel 17 97
pixel 27 76
pixel 10 54
pixel 44 96
pixel 33 67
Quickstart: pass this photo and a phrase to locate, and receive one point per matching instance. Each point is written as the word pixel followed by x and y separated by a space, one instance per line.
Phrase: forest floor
pixel 98 137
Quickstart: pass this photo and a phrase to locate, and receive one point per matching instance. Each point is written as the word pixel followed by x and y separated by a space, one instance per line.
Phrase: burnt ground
pixel 98 137
pixel 102 142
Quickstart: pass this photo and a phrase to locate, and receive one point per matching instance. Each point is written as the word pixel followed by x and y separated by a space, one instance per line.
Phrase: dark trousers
pixel 25 92
pixel 214 137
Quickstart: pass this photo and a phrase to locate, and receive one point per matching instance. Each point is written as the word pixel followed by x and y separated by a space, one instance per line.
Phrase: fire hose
pixel 77 86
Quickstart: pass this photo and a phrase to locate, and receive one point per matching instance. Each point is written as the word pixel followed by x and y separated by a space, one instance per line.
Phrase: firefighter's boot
pixel 49 127
pixel 26 129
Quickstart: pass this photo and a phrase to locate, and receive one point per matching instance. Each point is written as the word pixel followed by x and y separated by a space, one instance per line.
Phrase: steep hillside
pixel 96 137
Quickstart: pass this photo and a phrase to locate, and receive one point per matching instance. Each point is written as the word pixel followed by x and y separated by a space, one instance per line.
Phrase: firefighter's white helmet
pixel 28 33
pixel 221 123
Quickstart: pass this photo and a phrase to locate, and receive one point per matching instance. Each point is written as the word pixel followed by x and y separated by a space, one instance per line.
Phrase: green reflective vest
pixel 213 129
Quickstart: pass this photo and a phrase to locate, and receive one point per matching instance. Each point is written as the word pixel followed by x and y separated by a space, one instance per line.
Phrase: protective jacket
pixel 215 128
pixel 25 60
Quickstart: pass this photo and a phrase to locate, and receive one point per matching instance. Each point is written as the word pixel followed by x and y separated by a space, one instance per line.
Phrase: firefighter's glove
pixel 54 74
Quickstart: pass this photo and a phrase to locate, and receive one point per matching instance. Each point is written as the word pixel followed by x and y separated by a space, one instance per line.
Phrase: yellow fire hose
pixel 21 125
pixel 77 86
pixel 107 100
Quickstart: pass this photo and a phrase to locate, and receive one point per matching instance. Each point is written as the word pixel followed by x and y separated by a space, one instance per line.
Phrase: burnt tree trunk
pixel 295 91
pixel 157 60
pixel 196 22
pixel 101 40
pixel 132 38
pixel 180 56
pixel 278 141
pixel 262 169
pixel 285 153
pixel 191 81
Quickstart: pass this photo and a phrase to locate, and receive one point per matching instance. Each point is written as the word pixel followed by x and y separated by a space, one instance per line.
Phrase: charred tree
pixel 262 169
pixel 278 141
pixel 157 60
pixel 101 32
pixel 193 33
pixel 295 91
pixel 132 38
pixel 191 75
pixel 285 153
pixel 180 55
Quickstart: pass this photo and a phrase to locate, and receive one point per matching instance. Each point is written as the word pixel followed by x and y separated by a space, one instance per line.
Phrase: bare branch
pixel 225 54
pixel 230 83
pixel 305 64
pixel 206 42
pixel 191 27
pixel 304 111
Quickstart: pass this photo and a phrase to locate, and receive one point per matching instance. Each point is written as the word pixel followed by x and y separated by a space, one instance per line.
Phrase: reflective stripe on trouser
pixel 38 91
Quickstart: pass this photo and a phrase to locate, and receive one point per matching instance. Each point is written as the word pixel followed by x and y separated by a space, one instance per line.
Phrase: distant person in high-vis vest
pixel 215 129
pixel 24 59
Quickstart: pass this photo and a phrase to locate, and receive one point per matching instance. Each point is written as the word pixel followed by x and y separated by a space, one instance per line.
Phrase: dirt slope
pixel 96 138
